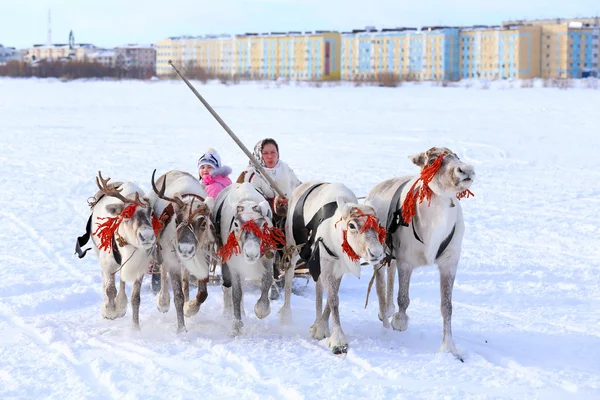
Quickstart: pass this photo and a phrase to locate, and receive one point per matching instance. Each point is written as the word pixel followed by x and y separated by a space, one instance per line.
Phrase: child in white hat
pixel 213 175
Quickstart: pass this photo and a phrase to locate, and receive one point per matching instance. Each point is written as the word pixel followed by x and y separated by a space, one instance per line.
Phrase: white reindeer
pixel 334 232
pixel 244 224
pixel 187 240
pixel 121 227
pixel 424 226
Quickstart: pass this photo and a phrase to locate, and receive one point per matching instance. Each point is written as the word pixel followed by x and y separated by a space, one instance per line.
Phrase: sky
pixel 111 23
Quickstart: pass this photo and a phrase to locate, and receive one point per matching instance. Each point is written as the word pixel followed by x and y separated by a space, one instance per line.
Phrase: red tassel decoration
pixel 106 230
pixel 348 250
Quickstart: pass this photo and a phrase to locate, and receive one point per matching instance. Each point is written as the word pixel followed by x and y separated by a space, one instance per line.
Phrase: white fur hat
pixel 210 157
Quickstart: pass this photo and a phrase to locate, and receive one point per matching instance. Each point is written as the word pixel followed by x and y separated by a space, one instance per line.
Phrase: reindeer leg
pixel 109 308
pixel 389 298
pixel 262 308
pixel 447 275
pixel 285 314
pixel 175 275
pixel 185 284
pixel 320 328
pixel 337 341
pixel 379 271
pixel 236 297
pixel 135 302
pixel 121 300
pixel 400 319
pixel 163 299
pixel 191 308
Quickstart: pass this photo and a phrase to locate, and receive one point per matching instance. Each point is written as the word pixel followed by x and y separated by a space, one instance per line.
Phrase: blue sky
pixel 110 23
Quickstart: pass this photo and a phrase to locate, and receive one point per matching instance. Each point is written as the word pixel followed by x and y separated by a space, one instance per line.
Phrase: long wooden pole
pixel 230 132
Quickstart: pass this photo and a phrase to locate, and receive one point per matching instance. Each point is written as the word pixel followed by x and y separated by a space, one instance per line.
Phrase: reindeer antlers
pixel 111 190
pixel 161 193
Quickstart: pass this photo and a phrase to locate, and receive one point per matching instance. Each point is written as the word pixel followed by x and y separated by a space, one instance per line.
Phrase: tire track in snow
pixel 144 356
pixel 40 243
pixel 83 371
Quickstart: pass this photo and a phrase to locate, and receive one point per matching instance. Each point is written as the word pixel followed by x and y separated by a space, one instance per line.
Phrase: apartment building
pixel 9 54
pixel 290 55
pixel 500 53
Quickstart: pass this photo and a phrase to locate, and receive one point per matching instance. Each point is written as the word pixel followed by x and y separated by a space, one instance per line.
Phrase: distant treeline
pixel 73 70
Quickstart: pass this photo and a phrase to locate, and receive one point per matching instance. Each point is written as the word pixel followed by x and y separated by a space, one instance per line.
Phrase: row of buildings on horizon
pixel 556 48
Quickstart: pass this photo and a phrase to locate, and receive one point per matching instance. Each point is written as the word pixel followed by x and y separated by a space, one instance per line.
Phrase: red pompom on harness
pixel 107 229
pixel 270 237
pixel 409 206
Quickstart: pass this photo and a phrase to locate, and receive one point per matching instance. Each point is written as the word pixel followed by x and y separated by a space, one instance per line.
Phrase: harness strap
pixel 116 252
pixel 83 239
pixel 304 234
pixel 445 243
pixel 395 220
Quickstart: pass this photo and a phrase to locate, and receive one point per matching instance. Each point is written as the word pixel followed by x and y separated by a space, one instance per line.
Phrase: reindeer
pixel 123 229
pixel 245 228
pixel 422 232
pixel 188 240
pixel 333 232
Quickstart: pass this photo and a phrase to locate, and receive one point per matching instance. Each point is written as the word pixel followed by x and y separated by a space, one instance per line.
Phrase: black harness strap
pixel 305 234
pixel 83 239
pixel 395 220
pixel 445 243
pixel 116 252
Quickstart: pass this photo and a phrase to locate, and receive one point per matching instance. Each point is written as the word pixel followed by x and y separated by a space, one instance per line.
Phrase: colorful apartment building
pixel 292 55
pixel 519 50
pixel 497 53
pixel 431 53
pixel 213 53
pixel 569 51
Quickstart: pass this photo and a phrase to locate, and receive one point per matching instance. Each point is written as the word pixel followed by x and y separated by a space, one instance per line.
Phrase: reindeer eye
pixel 352 226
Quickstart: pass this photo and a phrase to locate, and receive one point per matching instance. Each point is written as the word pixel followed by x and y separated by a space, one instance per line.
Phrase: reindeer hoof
pixel 237 326
pixel 400 322
pixel 110 312
pixel 181 329
pixel 319 331
pixel 339 349
pixel 261 310
pixel 191 308
pixel 163 301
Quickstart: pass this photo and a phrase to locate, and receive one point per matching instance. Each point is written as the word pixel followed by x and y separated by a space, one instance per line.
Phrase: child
pixel 212 174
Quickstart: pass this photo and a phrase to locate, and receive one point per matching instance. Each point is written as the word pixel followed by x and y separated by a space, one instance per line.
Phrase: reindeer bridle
pixel 371 222
pixel 269 237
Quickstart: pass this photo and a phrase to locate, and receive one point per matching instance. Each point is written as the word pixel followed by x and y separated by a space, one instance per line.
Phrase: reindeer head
pixel 450 177
pixel 195 230
pixel 362 236
pixel 251 232
pixel 130 220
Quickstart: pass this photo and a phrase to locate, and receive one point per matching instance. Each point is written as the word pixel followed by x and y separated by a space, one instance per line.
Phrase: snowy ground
pixel 526 299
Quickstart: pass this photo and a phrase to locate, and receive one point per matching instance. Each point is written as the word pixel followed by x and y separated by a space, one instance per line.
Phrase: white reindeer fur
pixel 240 267
pixel 433 224
pixel 136 258
pixel 332 270
pixel 177 184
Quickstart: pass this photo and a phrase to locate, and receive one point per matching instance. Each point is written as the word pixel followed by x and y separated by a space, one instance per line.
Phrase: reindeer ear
pixel 342 205
pixel 210 203
pixel 114 209
pixel 265 209
pixel 419 159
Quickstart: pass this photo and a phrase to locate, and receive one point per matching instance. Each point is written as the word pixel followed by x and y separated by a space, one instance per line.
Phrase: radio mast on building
pixel 49 38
